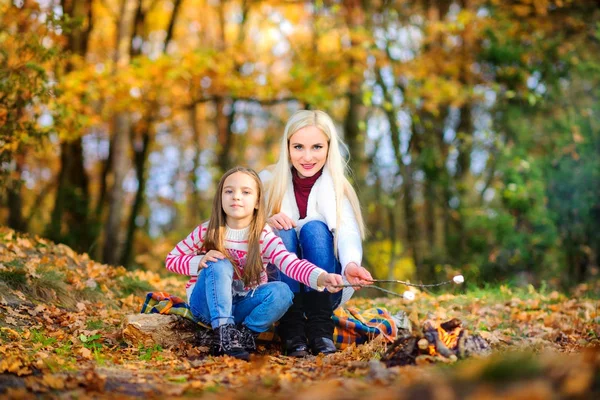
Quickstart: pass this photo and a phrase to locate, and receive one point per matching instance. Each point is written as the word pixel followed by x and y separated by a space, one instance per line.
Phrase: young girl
pixel 317 214
pixel 226 258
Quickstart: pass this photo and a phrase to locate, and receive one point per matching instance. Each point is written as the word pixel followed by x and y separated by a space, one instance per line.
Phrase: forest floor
pixel 61 323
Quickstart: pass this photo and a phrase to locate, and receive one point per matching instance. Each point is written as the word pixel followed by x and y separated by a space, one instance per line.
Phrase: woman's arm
pixel 349 241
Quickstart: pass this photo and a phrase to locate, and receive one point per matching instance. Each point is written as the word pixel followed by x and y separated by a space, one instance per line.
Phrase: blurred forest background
pixel 473 125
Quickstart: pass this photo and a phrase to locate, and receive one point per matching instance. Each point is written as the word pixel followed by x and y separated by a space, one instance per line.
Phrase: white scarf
pixel 321 202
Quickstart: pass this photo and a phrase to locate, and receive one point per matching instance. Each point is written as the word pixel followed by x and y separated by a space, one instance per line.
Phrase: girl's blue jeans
pixel 212 300
pixel 315 244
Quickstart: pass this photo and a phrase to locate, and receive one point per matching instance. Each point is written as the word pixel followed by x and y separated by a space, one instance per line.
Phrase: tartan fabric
pixel 354 326
pixel 351 325
pixel 165 303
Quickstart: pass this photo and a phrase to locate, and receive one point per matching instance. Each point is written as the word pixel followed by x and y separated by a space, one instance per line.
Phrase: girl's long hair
pixel 338 167
pixel 215 235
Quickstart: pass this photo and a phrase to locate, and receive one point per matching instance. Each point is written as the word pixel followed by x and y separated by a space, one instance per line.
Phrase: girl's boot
pixel 249 338
pixel 230 342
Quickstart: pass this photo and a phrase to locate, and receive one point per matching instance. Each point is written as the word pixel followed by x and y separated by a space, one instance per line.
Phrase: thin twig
pixel 369 287
pixel 456 279
pixel 421 285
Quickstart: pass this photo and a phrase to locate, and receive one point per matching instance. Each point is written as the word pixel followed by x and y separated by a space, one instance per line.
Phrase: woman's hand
pixel 329 281
pixel 281 221
pixel 212 255
pixel 357 275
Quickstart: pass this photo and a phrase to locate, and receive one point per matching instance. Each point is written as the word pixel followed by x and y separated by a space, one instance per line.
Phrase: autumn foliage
pixel 470 124
pixel 473 139
pixel 61 320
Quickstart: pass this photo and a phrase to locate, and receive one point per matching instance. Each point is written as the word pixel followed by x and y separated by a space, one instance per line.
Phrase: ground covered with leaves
pixel 61 323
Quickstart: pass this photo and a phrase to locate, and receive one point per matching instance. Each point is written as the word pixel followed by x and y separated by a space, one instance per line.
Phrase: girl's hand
pixel 281 221
pixel 357 275
pixel 330 280
pixel 212 255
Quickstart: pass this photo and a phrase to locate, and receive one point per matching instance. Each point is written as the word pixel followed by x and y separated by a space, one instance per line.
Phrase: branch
pixel 269 102
pixel 370 287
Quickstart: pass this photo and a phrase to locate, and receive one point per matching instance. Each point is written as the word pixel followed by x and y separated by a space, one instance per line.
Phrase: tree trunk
pixel 353 137
pixel 465 147
pixel 411 222
pixel 141 158
pixel 430 211
pixel 450 236
pixel 355 19
pixel 120 144
pixel 71 205
pixel 405 170
pixel 69 223
pixel 194 204
pixel 393 241
pixel 164 330
pixel 120 166
pixel 15 198
pixel 224 136
pixel 141 153
pixel 103 184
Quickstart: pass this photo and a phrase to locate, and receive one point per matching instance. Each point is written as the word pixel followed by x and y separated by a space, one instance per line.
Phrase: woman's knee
pixel 289 237
pixel 315 230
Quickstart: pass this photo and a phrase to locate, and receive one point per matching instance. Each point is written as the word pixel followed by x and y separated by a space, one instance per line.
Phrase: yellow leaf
pixel 85 353
pixel 11 332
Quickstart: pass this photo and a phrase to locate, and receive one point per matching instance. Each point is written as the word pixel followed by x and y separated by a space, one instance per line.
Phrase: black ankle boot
pixel 230 342
pixel 319 325
pixel 295 347
pixel 249 337
pixel 322 345
pixel 292 323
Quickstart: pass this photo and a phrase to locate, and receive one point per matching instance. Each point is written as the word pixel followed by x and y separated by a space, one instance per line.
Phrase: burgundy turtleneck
pixel 302 188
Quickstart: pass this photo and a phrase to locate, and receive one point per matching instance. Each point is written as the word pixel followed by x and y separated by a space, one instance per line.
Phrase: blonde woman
pixel 316 212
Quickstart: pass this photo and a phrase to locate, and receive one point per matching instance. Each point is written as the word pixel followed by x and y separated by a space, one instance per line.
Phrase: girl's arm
pixel 273 250
pixel 185 257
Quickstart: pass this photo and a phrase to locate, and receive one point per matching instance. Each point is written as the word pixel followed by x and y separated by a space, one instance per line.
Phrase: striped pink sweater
pixel 185 257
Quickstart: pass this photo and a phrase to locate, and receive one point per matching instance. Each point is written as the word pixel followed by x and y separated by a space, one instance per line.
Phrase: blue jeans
pixel 212 300
pixel 315 244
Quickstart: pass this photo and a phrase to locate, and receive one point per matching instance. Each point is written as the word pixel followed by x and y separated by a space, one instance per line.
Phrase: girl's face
pixel 308 149
pixel 239 199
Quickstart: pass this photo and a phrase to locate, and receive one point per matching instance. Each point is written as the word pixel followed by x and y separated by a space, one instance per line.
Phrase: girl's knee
pixel 281 293
pixel 220 267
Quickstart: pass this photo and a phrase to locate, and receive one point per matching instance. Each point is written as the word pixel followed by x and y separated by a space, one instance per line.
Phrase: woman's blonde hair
pixel 337 166
pixel 215 235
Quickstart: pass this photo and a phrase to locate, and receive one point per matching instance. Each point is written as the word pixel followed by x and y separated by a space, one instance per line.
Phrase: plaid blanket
pixel 354 326
pixel 351 325
pixel 165 303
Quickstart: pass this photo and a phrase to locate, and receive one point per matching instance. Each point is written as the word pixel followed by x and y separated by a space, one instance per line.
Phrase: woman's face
pixel 308 149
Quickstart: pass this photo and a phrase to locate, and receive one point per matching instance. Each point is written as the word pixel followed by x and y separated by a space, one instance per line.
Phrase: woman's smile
pixel 308 149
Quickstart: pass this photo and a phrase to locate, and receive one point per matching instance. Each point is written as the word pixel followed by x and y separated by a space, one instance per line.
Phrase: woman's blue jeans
pixel 212 300
pixel 315 244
